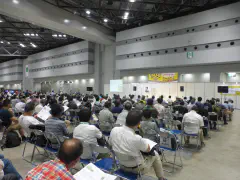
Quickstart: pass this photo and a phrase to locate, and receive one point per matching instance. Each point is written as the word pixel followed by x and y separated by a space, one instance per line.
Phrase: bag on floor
pixel 12 139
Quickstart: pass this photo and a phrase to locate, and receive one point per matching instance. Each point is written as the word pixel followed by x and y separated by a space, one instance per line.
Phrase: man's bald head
pixel 70 150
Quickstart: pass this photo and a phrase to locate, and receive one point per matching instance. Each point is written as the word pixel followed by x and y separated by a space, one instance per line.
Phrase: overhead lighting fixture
pixel 1 42
pixel 8 42
pixel 84 27
pixel 33 45
pixel 1 21
pixel 54 35
pixel 88 12
pixel 132 0
pixel 22 45
pixel 59 35
pixel 105 20
pixel 36 34
pixel 64 35
pixel 27 34
pixel 66 21
pixel 32 34
pixel 126 14
pixel 15 1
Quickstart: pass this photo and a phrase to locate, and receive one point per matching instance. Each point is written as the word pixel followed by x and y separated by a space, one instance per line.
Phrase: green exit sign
pixel 189 55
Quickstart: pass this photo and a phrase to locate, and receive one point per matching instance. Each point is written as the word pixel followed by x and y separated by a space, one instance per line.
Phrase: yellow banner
pixel 163 77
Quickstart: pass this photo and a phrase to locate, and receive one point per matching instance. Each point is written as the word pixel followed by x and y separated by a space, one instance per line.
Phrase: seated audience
pixel 139 105
pixel 160 108
pixel 195 118
pixel 149 127
pixel 68 156
pixel 87 133
pixel 124 141
pixel 121 119
pixel 199 103
pixel 117 109
pixel 8 119
pixel 106 119
pixel 27 118
pixel 152 108
pixel 54 124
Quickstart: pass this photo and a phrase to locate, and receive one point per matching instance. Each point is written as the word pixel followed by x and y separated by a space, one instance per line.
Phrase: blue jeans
pixel 9 168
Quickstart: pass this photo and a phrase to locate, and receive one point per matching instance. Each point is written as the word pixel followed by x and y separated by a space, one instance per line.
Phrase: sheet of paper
pixel 92 172
pixel 65 108
pixel 151 143
pixel 44 114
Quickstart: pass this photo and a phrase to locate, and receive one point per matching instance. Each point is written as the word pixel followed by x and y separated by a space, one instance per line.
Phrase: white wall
pixel 141 52
pixel 11 71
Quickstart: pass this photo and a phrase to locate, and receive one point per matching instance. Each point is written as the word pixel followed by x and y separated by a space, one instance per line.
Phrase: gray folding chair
pixel 53 144
pixel 186 125
pixel 165 144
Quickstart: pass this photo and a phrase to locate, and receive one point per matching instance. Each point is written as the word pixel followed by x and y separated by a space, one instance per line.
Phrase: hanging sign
pixel 163 77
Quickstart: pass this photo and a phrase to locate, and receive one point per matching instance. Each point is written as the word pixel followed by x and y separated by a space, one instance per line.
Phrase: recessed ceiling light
pixel 88 12
pixel 105 20
pixel 36 34
pixel 84 27
pixel 32 34
pixel 33 45
pixel 64 35
pixel 1 42
pixel 8 42
pixel 1 21
pixel 15 1
pixel 22 45
pixel 132 0
pixel 27 34
pixel 59 35
pixel 54 35
pixel 66 21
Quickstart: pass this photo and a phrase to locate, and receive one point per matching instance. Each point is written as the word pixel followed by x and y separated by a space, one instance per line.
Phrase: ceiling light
pixel 64 35
pixel 36 34
pixel 1 21
pixel 66 21
pixel 33 45
pixel 15 1
pixel 126 14
pixel 27 34
pixel 88 12
pixel 59 35
pixel 1 42
pixel 84 27
pixel 132 0
pixel 22 45
pixel 32 34
pixel 105 20
pixel 8 42
pixel 54 35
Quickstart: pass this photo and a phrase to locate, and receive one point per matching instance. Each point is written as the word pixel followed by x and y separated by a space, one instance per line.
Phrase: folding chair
pixel 165 144
pixel 33 139
pixel 213 118
pixel 122 173
pixel 53 144
pixel 105 130
pixel 190 125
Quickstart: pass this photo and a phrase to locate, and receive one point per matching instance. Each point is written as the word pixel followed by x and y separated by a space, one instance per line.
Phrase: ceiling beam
pixel 36 12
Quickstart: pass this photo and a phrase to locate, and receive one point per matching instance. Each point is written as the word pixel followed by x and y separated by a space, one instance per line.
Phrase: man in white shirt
pixel 193 118
pixel 124 141
pixel 169 101
pixel 87 133
pixel 27 119
pixel 121 119
pixel 160 108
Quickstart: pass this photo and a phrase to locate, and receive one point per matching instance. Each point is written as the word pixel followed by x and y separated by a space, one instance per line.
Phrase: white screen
pixel 116 85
